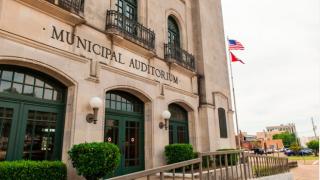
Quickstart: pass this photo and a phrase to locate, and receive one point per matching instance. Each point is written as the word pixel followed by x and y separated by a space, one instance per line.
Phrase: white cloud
pixel 280 82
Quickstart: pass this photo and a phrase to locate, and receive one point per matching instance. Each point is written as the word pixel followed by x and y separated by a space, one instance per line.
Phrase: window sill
pixel 54 11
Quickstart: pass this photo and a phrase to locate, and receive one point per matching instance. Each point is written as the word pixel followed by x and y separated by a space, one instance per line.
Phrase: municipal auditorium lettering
pixel 97 49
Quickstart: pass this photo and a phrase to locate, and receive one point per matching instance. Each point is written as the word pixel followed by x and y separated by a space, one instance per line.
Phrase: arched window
pixel 16 81
pixel 122 101
pixel 178 125
pixel 173 32
pixel 222 123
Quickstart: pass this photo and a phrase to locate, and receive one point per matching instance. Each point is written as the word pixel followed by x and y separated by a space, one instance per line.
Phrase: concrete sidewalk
pixel 306 171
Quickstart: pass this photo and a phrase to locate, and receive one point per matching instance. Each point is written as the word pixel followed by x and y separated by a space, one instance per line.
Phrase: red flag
pixel 234 58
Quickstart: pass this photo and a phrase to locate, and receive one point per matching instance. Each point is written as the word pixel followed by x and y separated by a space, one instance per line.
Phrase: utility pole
pixel 314 127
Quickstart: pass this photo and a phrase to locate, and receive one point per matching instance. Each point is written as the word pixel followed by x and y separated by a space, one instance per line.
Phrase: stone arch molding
pixel 142 95
pixel 181 24
pixel 187 106
pixel 39 66
pixel 218 94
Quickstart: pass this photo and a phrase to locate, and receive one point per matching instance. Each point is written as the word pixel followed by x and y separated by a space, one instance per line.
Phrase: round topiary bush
pixel 178 152
pixel 95 160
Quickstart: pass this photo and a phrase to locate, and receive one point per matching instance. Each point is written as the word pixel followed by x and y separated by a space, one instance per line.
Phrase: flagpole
pixel 234 96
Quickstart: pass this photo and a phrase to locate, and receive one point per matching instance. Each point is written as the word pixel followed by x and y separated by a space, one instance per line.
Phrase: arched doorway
pixel 178 125
pixel 124 126
pixel 31 115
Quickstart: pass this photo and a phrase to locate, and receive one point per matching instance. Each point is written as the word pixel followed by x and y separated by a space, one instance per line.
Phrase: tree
pixel 314 145
pixel 288 139
pixel 295 148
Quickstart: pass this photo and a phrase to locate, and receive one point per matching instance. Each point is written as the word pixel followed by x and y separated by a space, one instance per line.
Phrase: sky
pixel 280 82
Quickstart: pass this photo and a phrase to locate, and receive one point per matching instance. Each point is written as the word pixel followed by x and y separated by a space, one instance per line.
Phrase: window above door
pixel 28 83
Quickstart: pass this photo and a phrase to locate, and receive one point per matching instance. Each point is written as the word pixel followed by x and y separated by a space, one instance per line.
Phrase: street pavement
pixel 306 170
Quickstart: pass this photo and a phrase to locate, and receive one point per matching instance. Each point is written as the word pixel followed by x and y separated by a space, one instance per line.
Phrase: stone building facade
pixel 140 57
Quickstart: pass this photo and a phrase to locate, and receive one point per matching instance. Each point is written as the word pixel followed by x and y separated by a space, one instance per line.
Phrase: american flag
pixel 235 45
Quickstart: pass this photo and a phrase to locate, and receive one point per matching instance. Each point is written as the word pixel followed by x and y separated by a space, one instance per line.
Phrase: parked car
pixel 282 149
pixel 305 151
pixel 269 151
pixel 258 151
pixel 289 152
pixel 277 150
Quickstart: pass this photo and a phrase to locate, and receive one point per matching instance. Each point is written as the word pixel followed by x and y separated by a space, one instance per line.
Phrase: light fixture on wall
pixel 95 104
pixel 166 116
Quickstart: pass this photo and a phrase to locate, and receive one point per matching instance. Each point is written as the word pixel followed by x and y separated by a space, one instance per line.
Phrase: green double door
pixel 126 131
pixel 30 130
pixel 178 125
pixel 178 132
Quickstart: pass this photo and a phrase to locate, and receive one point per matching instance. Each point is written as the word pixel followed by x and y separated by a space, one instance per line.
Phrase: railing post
pixel 214 167
pixel 208 166
pixel 244 166
pixel 161 176
pixel 200 168
pixel 226 163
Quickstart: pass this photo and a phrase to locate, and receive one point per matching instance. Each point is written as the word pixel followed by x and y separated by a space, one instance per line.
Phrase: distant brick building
pixel 248 142
pixel 272 144
pixel 261 140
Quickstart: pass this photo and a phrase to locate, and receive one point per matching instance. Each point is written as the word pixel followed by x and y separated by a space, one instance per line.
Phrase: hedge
pixel 178 152
pixel 95 160
pixel 33 170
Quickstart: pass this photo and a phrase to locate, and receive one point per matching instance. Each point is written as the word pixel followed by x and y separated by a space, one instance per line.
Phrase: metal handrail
pixel 179 56
pixel 233 164
pixel 271 157
pixel 260 166
pixel 160 170
pixel 130 29
pixel 221 152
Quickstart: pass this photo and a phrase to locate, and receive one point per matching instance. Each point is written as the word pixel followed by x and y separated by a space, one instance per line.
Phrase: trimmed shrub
pixel 231 158
pixel 95 160
pixel 33 170
pixel 178 152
